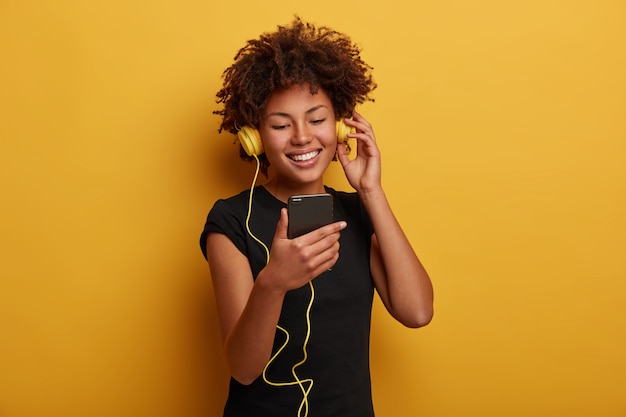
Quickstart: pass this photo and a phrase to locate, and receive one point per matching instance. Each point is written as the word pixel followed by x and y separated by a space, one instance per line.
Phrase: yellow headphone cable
pixel 297 381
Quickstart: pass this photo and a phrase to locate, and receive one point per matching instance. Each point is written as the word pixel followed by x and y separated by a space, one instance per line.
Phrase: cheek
pixel 270 140
pixel 273 144
pixel 330 139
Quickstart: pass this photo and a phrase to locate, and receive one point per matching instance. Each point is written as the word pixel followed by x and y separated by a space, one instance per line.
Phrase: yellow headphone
pixel 250 138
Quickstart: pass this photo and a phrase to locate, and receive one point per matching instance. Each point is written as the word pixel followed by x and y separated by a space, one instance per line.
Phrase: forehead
pixel 296 99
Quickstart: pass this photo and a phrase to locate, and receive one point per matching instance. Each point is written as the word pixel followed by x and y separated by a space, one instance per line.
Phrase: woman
pixel 295 313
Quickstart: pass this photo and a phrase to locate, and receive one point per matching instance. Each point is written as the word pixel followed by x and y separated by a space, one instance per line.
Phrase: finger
pixel 329 263
pixel 327 244
pixel 331 228
pixel 364 137
pixel 362 133
pixel 326 258
pixel 319 240
pixel 356 116
pixel 342 154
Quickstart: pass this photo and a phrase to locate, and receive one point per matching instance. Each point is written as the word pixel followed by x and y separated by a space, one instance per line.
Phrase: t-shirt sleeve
pixel 224 219
pixel 367 223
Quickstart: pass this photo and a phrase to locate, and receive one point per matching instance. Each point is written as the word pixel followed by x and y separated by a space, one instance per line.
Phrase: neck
pixel 282 191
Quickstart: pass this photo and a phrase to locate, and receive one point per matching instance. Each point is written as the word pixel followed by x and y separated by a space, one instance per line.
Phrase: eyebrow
pixel 309 111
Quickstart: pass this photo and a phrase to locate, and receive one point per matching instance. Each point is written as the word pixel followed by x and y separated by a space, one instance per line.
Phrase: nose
pixel 301 135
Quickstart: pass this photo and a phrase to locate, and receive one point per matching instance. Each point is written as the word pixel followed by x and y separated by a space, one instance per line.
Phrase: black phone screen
pixel 309 212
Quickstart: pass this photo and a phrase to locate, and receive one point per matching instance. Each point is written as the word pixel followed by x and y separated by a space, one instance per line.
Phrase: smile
pixel 305 156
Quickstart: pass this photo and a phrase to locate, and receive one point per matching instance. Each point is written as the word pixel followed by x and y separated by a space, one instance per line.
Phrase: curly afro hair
pixel 299 53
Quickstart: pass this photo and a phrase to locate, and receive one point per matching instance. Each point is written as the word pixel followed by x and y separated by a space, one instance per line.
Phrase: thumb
pixel 342 154
pixel 283 224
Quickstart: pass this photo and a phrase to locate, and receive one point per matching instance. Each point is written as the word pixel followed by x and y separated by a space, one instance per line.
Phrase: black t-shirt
pixel 338 347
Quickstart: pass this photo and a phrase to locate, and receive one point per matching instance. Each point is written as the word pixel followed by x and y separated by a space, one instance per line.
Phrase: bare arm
pixel 400 279
pixel 249 310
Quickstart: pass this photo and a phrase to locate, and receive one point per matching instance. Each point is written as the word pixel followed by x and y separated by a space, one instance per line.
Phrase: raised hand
pixel 362 172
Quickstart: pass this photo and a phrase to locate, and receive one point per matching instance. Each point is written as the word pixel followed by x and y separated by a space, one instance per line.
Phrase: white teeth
pixel 305 157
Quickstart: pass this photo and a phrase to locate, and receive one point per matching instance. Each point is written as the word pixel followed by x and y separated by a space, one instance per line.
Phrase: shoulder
pixel 235 201
pixel 227 216
pixel 230 215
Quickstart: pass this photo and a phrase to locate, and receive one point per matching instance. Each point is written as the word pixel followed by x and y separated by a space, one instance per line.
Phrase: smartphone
pixel 308 212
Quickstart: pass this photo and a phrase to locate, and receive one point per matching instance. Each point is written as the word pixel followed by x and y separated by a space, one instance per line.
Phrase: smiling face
pixel 299 137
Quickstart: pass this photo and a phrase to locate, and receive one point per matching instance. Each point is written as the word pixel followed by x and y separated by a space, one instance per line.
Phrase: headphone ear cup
pixel 342 131
pixel 250 141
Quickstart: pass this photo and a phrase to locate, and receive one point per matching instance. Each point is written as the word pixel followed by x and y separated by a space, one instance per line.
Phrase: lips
pixel 303 157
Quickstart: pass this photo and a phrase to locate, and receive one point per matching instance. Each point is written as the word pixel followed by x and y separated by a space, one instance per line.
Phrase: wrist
pixel 371 194
pixel 266 285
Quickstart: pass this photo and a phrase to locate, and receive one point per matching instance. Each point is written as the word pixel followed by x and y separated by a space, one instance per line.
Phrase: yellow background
pixel 503 131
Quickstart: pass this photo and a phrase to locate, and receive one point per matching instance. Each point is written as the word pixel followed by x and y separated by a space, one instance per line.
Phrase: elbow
pixel 243 373
pixel 243 366
pixel 244 378
pixel 419 318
